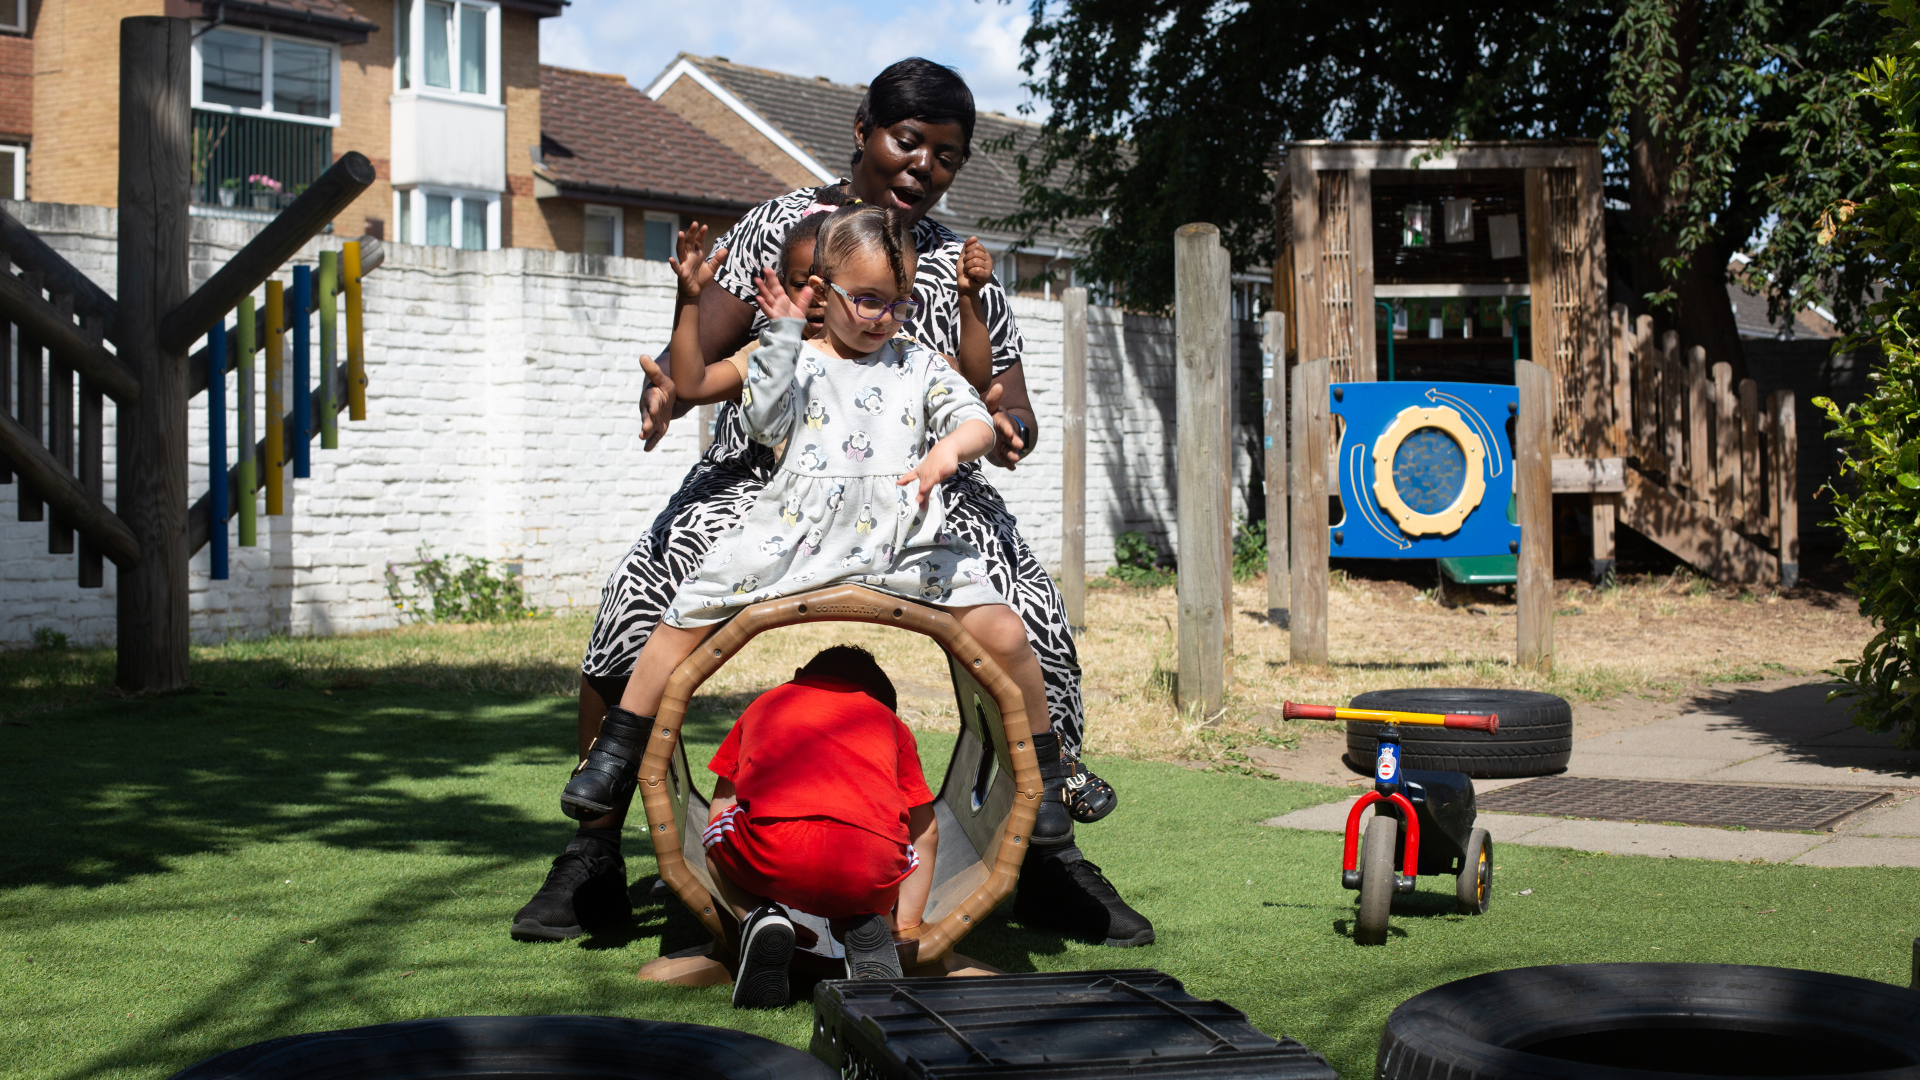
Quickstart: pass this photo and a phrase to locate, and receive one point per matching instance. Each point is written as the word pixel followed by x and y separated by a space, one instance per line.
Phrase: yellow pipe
pixel 356 338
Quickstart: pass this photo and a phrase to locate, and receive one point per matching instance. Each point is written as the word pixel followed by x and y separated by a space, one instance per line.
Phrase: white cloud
pixel 848 41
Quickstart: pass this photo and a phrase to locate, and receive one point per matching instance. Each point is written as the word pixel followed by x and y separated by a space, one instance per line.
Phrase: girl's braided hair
pixel 861 228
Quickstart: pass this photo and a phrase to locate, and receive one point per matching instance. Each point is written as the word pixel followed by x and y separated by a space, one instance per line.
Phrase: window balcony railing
pixel 250 163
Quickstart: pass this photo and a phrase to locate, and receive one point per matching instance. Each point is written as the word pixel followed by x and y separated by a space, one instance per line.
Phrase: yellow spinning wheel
pixel 1428 472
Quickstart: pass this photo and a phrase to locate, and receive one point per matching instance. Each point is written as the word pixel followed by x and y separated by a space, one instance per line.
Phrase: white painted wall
pixel 502 423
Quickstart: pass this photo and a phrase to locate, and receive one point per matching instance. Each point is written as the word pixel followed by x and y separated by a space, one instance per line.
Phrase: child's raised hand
pixel 939 464
pixel 975 267
pixel 694 267
pixel 775 302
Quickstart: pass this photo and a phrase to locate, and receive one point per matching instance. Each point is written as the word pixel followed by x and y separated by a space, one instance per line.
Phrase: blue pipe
pixel 302 372
pixel 217 447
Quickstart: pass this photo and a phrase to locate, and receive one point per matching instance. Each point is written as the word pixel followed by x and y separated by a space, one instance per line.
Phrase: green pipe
pixel 1388 308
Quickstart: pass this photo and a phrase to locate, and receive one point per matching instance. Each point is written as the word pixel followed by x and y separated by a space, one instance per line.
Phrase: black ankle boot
pixel 604 782
pixel 1071 792
pixel 1061 891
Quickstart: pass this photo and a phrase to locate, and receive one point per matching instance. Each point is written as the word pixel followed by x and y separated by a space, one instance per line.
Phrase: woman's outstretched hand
pixel 656 403
pixel 775 302
pixel 694 267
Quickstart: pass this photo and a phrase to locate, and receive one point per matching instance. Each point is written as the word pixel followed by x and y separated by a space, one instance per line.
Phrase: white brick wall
pixel 501 423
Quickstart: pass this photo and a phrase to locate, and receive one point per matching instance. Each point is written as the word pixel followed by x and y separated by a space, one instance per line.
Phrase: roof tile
pixel 598 132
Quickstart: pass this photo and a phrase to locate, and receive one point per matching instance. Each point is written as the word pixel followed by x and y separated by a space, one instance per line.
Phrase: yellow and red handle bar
pixel 1294 710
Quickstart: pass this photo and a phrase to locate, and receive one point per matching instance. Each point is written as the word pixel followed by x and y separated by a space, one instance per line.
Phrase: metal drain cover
pixel 1784 808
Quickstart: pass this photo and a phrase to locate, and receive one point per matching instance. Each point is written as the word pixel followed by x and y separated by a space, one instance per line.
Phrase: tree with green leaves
pixel 1880 436
pixel 1729 125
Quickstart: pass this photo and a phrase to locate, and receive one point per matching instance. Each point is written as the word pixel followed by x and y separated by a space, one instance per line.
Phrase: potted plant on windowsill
pixel 266 191
pixel 229 191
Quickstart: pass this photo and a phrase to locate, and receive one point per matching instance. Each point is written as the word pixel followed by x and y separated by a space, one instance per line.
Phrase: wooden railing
pixel 1712 472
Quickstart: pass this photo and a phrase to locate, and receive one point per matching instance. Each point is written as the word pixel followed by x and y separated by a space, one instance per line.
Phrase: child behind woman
pixel 873 424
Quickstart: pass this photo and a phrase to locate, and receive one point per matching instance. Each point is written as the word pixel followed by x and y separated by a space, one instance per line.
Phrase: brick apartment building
pixel 442 95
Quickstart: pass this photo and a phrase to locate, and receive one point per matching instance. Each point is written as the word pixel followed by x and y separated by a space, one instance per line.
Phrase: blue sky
pixel 848 41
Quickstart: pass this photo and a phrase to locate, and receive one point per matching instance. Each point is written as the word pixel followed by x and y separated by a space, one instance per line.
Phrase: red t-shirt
pixel 818 747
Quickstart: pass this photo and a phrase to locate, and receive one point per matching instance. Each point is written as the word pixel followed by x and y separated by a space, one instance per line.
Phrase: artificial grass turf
pixel 187 874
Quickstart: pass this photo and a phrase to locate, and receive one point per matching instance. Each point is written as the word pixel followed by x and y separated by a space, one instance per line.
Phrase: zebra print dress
pixel 720 489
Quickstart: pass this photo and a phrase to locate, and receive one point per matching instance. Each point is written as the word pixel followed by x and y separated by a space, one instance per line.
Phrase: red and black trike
pixel 1431 806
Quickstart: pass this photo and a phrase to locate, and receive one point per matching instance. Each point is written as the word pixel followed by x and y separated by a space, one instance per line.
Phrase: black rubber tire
pixel 1536 732
pixel 1473 888
pixel 1377 880
pixel 586 1047
pixel 1647 1021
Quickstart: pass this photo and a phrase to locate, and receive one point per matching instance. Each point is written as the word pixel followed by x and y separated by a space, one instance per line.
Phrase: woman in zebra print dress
pixel 911 136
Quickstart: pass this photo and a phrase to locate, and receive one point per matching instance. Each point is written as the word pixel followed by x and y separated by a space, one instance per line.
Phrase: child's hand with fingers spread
pixel 975 267
pixel 940 463
pixel 694 267
pixel 775 302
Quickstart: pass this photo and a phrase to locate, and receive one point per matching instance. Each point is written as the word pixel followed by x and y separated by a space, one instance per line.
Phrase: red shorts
pixel 817 865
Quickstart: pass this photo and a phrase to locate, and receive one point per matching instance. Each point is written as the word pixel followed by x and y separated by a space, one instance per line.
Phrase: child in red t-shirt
pixel 821 806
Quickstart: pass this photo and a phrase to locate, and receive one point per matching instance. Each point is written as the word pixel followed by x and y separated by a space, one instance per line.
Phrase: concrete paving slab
pixel 1899 818
pixel 1668 841
pixel 1843 767
pixel 1864 851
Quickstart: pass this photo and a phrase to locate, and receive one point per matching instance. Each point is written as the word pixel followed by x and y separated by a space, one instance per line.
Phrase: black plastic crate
pixel 1058 1026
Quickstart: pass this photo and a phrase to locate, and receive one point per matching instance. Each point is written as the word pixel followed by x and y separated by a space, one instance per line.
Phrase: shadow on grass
pixel 101 793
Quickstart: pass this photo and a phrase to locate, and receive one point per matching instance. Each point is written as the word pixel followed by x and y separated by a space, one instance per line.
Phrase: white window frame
pixel 673 223
pixel 619 216
pixel 18 24
pixel 415 12
pixel 332 119
pixel 415 213
pixel 19 166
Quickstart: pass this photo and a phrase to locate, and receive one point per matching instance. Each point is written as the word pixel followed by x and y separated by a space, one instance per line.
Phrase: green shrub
pixel 474 593
pixel 1137 562
pixel 1880 436
pixel 1249 549
pixel 47 639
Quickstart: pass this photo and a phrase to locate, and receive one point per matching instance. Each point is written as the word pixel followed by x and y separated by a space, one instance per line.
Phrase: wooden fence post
pixel 1273 417
pixel 1700 483
pixel 1312 430
pixel 1533 487
pixel 1753 496
pixel 1726 445
pixel 1786 467
pixel 155 187
pixel 1073 457
pixel 1200 408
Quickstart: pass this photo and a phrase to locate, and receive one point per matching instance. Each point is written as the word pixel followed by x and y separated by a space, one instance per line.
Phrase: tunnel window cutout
pixel 983 779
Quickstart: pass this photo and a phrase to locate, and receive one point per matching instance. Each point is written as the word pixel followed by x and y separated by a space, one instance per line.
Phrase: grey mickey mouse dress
pixel 834 511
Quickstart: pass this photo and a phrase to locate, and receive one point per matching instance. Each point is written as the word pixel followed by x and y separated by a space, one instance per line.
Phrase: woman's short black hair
pixel 851 663
pixel 917 89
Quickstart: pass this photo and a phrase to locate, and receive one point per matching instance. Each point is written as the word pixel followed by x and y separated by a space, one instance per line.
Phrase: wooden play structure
pixel 1451 261
pixel 985 806
pixel 135 350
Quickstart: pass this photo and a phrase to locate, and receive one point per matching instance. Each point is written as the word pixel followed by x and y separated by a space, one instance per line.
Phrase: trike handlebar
pixel 1294 710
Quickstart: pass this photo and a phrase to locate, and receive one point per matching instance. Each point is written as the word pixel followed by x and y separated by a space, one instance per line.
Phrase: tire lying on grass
pixel 1535 737
pixel 1645 1021
pixel 584 1047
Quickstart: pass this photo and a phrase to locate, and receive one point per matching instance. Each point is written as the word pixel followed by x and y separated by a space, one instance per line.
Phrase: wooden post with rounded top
pixel 1201 384
pixel 1073 457
pixel 932 940
pixel 1533 492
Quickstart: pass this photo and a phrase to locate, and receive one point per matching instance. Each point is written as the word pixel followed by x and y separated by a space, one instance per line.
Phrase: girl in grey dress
pixel 873 424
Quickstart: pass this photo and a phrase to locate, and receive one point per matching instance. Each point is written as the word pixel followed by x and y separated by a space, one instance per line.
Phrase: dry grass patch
pixel 1656 636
